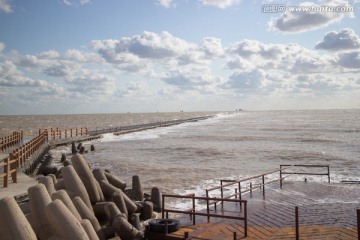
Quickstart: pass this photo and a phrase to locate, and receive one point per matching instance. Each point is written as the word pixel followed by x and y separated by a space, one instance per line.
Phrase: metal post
pixel 193 202
pixel 281 183
pixel 222 194
pixel 250 189
pixel 163 206
pixel 297 222
pixel 234 235
pixel 358 222
pixel 207 205
pixel 263 184
pixel 245 216
pixel 328 168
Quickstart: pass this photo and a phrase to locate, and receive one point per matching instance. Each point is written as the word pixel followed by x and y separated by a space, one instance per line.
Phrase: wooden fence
pixel 11 140
pixel 18 157
pixel 57 134
pixel 9 169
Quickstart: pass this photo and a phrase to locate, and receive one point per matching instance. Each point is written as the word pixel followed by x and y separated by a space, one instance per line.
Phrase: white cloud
pixel 220 3
pixel 349 60
pixel 136 89
pixel 306 19
pixel 10 76
pixel 193 78
pixel 92 83
pixel 247 80
pixel 337 41
pixel 141 52
pixel 71 2
pixel 5 6
pixel 165 3
pixel 291 57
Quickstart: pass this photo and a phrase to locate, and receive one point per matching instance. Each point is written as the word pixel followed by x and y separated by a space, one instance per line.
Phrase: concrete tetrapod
pixel 64 197
pixel 39 198
pixel 85 213
pixel 156 199
pixel 124 229
pixel 90 232
pixel 74 185
pixel 49 184
pixel 109 190
pixel 63 222
pixel 138 193
pixel 111 211
pixel 115 181
pixel 99 174
pixel 120 202
pixel 13 223
pixel 83 170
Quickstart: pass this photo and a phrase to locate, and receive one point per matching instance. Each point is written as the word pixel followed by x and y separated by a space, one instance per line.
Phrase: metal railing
pixel 239 189
pixel 327 173
pixel 192 212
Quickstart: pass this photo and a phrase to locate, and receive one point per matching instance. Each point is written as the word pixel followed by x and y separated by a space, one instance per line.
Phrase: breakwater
pixel 28 156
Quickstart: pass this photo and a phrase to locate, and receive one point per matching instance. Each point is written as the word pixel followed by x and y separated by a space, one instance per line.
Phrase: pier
pixel 288 210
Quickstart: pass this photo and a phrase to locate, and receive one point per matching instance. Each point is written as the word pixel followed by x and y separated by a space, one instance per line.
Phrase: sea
pixel 194 156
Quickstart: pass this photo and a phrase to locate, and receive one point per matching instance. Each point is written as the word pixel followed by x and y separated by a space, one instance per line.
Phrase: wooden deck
pixel 326 211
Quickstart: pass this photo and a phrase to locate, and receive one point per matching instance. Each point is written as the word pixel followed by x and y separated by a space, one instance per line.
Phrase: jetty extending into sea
pixel 257 207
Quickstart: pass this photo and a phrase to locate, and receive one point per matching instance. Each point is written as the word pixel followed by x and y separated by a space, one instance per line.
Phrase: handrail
pixel 56 133
pixel 11 140
pixel 262 185
pixel 192 212
pixel 9 169
pixel 238 190
pixel 306 173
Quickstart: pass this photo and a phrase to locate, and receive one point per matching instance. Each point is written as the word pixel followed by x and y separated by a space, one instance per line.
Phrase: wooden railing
pixel 58 134
pixel 27 150
pixel 11 140
pixel 192 212
pixel 18 157
pixel 9 167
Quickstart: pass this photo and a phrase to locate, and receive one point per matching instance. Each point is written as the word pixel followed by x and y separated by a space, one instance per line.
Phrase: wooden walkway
pixel 326 211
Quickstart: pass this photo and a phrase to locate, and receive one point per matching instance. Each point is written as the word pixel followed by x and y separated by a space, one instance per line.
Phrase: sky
pixel 117 56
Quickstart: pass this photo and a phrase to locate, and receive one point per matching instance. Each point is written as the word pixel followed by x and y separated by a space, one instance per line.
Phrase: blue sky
pixel 92 56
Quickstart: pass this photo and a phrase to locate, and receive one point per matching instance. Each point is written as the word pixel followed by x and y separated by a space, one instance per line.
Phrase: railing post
pixel 207 205
pixel 358 222
pixel 222 194
pixel 163 206
pixel 193 202
pixel 245 216
pixel 250 189
pixel 263 184
pixel 297 222
pixel 239 186
pixel 6 170
pixel 328 168
pixel 281 183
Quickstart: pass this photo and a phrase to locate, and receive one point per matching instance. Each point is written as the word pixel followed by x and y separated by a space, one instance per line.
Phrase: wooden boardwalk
pixel 326 211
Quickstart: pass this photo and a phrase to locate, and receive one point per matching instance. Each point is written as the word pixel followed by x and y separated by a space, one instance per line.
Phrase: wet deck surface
pixel 326 211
